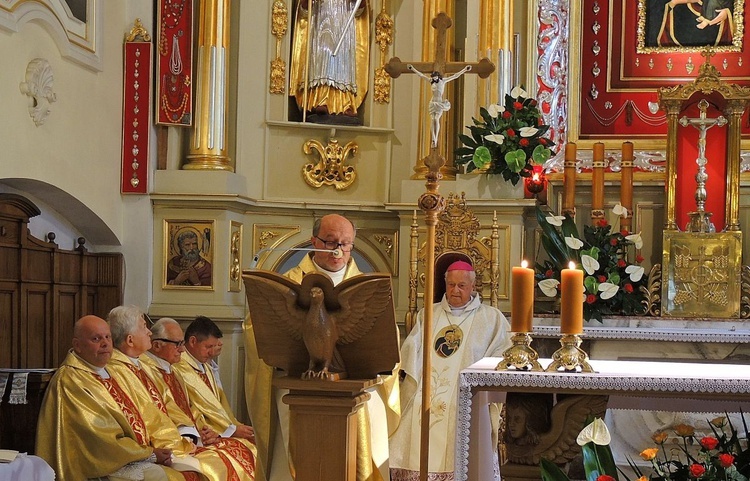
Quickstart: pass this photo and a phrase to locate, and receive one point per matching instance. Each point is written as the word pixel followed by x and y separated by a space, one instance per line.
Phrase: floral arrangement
pixel 720 457
pixel 508 140
pixel 612 283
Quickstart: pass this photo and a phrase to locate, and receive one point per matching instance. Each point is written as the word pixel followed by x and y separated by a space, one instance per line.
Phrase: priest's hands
pixel 163 456
pixel 245 432
pixel 209 436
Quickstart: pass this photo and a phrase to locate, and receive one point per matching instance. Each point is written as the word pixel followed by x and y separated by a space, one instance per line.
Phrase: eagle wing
pixel 273 299
pixel 568 418
pixel 362 304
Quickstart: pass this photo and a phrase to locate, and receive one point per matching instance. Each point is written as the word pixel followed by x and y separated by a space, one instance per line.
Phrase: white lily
pixel 496 138
pixel 528 131
pixel 596 433
pixel 636 272
pixel 635 239
pixel 518 92
pixel 620 210
pixel 573 243
pixel 549 287
pixel 555 220
pixel 608 290
pixel 495 109
pixel 590 265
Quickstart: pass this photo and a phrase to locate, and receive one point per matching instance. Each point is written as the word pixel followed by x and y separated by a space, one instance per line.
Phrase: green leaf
pixel 516 160
pixel 541 154
pixel 598 460
pixel 482 156
pixel 551 472
pixel 553 242
pixel 590 284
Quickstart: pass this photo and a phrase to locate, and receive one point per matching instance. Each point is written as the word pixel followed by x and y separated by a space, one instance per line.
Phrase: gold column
pixel 673 110
pixel 734 111
pixel 208 139
pixel 495 33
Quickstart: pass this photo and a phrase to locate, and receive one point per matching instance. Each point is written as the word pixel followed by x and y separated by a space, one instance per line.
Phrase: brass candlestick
pixel 520 356
pixel 570 357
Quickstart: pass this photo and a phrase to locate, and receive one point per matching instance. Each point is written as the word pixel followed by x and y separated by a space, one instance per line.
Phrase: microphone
pixel 337 253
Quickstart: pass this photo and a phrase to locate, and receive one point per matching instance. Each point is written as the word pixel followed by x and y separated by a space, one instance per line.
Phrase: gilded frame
pixel 177 231
pixel 645 19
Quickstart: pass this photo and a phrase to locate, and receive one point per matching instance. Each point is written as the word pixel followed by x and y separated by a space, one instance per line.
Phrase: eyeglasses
pixel 345 247
pixel 179 343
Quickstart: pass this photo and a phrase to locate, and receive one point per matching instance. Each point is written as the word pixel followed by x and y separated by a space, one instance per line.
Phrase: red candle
pixel 571 300
pixel 522 304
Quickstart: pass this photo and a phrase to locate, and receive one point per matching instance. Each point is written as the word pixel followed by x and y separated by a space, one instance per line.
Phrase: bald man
pixel 87 427
pixel 270 415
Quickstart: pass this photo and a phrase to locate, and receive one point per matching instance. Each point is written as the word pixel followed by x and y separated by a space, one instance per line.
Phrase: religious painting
pixel 679 25
pixel 622 66
pixel 188 254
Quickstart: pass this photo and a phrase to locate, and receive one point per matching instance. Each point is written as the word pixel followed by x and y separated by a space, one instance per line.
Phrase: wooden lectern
pixel 294 329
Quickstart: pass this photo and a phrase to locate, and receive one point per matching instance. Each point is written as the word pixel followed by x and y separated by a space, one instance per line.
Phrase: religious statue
pixel 438 105
pixel 330 79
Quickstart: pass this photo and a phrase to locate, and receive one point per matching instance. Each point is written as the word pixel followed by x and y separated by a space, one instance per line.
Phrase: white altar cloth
pixel 26 468
pixel 662 386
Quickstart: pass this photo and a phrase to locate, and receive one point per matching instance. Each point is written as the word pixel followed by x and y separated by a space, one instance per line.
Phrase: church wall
pixel 77 149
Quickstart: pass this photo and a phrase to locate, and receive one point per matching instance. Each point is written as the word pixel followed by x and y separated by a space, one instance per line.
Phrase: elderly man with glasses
pixel 270 415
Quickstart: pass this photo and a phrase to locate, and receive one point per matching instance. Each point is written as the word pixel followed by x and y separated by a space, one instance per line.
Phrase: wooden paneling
pixel 44 289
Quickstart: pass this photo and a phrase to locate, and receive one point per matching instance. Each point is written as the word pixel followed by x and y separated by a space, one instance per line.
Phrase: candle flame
pixel 524 264
pixel 571 265
pixel 535 177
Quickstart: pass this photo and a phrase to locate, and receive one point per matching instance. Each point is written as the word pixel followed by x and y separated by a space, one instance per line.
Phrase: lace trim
pixel 652 334
pixel 399 474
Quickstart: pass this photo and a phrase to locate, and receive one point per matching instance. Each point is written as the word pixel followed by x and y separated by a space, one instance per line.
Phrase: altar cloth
pixel 26 468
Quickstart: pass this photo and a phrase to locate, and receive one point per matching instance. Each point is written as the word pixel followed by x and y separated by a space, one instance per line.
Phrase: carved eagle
pixel 314 329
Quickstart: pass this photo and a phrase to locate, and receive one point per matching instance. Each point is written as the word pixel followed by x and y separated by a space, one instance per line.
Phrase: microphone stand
pixel 337 253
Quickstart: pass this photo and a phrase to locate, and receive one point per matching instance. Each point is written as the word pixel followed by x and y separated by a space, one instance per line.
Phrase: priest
pixel 334 235
pixel 89 426
pixel 466 331
pixel 222 458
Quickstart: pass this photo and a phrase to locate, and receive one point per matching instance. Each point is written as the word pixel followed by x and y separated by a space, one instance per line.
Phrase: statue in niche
pixel 329 80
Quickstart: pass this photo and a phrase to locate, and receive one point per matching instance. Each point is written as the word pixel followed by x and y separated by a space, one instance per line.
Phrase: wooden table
pixel 666 386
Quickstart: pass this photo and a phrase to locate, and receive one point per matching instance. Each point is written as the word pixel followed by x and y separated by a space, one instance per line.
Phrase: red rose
pixel 506 115
pixel 726 460
pixel 543 141
pixel 523 142
pixel 548 274
pixel 601 278
pixel 602 222
pixel 697 470
pixel 628 288
pixel 590 299
pixel 621 263
pixel 510 133
pixel 709 442
pixel 639 258
pixel 532 103
pixel 540 122
pixel 624 232
pixel 605 477
pixel 613 241
pixel 517 105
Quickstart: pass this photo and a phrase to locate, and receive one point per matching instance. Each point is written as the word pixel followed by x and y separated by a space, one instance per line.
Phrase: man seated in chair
pixel 207 398
pixel 465 331
pixel 89 426
pixel 220 458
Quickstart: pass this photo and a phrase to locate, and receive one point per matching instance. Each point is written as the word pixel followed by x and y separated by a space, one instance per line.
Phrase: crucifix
pixel 431 202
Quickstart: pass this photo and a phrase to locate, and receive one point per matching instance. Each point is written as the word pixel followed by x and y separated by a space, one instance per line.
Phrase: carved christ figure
pixel 438 105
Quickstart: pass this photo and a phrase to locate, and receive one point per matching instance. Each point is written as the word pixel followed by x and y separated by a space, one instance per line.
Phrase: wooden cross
pixel 395 67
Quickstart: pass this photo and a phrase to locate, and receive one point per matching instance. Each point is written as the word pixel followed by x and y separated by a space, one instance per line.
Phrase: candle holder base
pixel 570 357
pixel 520 356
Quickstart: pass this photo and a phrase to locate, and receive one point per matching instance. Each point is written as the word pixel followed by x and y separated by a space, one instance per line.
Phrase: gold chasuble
pixel 214 464
pixel 240 452
pixel 207 399
pixel 261 399
pixel 89 427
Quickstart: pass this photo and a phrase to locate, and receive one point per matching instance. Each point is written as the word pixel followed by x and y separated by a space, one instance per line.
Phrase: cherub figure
pixel 438 105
